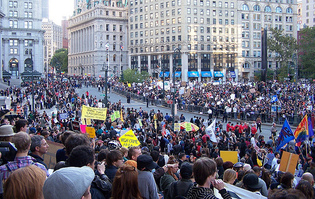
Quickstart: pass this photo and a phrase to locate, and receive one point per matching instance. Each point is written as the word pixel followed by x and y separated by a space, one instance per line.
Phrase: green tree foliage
pixel 270 75
pixel 131 76
pixel 284 46
pixel 60 60
pixel 307 53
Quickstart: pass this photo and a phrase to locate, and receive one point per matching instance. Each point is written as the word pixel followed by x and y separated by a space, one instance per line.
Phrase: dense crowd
pixel 168 163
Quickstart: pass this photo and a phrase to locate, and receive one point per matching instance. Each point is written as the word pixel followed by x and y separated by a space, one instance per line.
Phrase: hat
pixel 186 170
pixel 238 165
pixel 251 181
pixel 6 131
pixel 69 182
pixel 145 161
pixel 247 167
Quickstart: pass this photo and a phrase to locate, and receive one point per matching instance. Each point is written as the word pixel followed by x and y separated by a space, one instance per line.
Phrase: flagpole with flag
pixel 285 136
pixel 210 130
pixel 301 133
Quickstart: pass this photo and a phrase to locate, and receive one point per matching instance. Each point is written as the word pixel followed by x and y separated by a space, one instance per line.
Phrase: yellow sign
pixel 129 139
pixel 155 124
pixel 88 121
pixel 288 162
pixel 229 156
pixel 90 131
pixel 129 85
pixel 177 127
pixel 112 117
pixel 94 113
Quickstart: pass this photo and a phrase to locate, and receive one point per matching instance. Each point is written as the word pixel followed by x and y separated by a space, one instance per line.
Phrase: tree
pixel 284 46
pixel 270 75
pixel 307 53
pixel 60 60
pixel 133 75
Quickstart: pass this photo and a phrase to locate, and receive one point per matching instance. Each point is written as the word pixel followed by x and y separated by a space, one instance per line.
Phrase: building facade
pixel 308 13
pixel 52 41
pixel 65 25
pixel 45 9
pixel 98 38
pixel 22 36
pixel 218 40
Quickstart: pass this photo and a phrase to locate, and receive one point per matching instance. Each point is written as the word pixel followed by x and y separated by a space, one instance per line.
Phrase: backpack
pixel 175 193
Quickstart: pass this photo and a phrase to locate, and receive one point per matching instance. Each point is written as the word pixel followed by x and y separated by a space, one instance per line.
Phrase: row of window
pixel 113 38
pixel 14 4
pixel 15 14
pixel 27 24
pixel 267 9
pixel 114 27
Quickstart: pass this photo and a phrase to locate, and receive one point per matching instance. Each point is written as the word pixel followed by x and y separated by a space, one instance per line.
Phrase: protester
pixel 39 147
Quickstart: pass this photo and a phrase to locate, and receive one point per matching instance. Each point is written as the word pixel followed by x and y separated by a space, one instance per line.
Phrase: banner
pixel 112 117
pixel 188 126
pixel 301 132
pixel 140 123
pixel 240 192
pixel 117 114
pixel 285 136
pixel 310 127
pixel 210 130
pixel 94 113
pixel 129 139
pixel 90 131
pixel 229 156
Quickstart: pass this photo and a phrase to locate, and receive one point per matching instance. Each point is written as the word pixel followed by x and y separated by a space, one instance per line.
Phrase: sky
pixel 60 8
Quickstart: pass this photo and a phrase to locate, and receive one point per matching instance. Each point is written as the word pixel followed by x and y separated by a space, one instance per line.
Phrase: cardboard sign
pixel 288 162
pixel 94 113
pixel 90 131
pixel 50 156
pixel 177 127
pixel 129 139
pixel 188 126
pixel 229 156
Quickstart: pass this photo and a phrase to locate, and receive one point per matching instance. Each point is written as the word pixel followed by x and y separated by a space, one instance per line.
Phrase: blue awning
pixel 218 74
pixel 232 74
pixel 167 74
pixel 193 74
pixel 206 74
pixel 178 73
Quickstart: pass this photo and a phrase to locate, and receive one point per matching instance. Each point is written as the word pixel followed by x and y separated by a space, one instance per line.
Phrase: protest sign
pixel 229 156
pixel 177 127
pixel 90 131
pixel 94 113
pixel 63 116
pixel 288 162
pixel 83 128
pixel 75 126
pixel 129 139
pixel 117 114
pixel 239 192
pixel 188 126
pixel 50 156
pixel 112 117
pixel 140 123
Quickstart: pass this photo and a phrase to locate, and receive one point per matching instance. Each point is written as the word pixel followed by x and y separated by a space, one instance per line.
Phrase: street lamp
pixel 176 54
pixel 106 71
pixel 33 101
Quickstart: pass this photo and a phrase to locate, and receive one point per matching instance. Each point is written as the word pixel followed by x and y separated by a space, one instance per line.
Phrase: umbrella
pixel 194 127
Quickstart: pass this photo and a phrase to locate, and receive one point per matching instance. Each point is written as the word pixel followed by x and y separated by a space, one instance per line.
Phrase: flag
pixel 121 47
pixel 310 127
pixel 274 99
pixel 107 46
pixel 301 132
pixel 285 136
pixel 210 131
pixel 164 129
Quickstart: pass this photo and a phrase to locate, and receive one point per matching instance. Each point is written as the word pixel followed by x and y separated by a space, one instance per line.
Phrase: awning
pixel 206 74
pixel 232 74
pixel 218 74
pixel 178 73
pixel 193 74
pixel 167 74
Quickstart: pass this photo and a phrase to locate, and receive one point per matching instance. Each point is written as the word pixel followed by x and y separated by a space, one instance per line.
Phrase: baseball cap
pixel 186 170
pixel 69 182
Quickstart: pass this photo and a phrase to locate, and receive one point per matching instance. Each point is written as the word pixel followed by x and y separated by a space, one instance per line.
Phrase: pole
pixel 119 61
pixel 33 103
pixel 295 122
pixel 163 69
pixel 176 52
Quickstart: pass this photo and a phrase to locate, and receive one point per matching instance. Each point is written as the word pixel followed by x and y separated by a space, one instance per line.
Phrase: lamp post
pixel 106 71
pixel 176 54
pixel 33 101
pixel 163 71
pixel 294 58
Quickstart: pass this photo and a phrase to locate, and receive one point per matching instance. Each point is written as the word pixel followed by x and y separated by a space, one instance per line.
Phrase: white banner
pixel 210 130
pixel 240 192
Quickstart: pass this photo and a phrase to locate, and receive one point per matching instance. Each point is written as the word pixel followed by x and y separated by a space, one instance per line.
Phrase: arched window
pixel 246 65
pixel 267 9
pixel 289 10
pixel 278 10
pixel 245 7
pixel 256 8
pixel 114 57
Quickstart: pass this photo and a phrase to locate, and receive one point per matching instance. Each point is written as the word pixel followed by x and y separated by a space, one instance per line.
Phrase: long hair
pixel 25 183
pixel 125 183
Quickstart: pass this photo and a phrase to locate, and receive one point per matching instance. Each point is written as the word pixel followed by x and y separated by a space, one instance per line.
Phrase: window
pixel 289 10
pixel 245 7
pixel 278 10
pixel 256 8
pixel 267 9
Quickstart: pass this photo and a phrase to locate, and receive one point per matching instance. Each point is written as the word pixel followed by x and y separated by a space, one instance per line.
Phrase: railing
pixel 217 113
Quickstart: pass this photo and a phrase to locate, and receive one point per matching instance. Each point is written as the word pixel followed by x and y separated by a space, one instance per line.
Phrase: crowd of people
pixel 167 163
